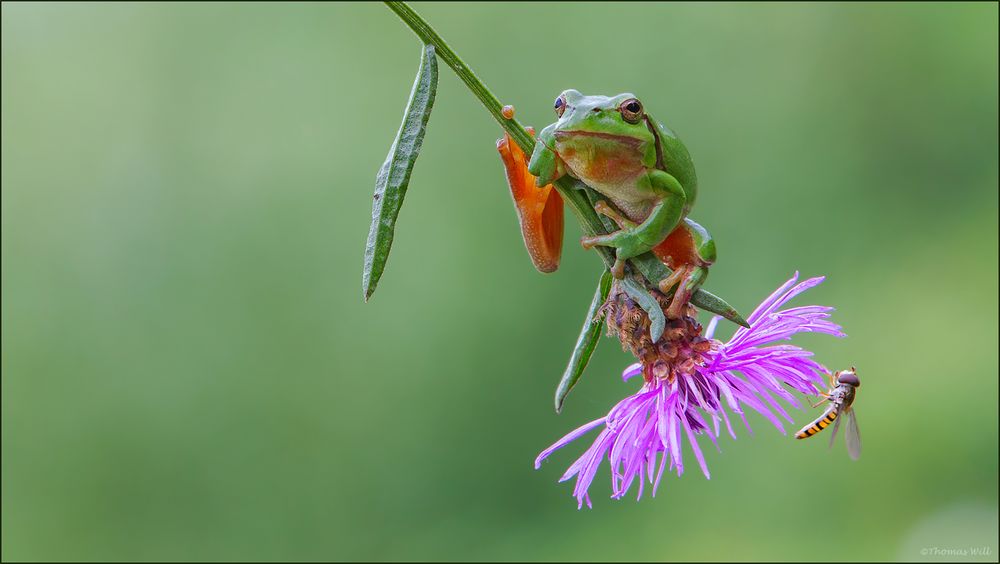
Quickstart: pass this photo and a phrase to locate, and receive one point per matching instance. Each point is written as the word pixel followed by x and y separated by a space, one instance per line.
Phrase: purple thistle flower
pixel 748 371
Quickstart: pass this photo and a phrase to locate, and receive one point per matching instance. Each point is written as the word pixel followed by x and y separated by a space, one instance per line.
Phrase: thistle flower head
pixel 690 380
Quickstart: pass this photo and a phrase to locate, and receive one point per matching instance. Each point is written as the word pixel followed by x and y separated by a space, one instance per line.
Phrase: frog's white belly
pixel 625 195
pixel 611 165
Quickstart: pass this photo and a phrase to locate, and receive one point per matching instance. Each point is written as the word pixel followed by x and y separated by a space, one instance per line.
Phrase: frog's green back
pixel 677 161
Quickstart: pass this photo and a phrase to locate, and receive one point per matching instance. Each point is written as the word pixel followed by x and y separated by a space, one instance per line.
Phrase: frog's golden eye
pixel 631 110
pixel 560 105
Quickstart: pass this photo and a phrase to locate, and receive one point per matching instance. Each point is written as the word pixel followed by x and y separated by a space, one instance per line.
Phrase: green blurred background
pixel 189 371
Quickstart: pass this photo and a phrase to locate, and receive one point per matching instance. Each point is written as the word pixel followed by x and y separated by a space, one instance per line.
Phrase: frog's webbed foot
pixel 687 279
pixel 539 209
pixel 611 240
pixel 627 243
pixel 603 208
pixel 670 281
pixel 618 269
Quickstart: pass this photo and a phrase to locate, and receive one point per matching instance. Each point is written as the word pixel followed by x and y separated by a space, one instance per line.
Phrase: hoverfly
pixel 844 386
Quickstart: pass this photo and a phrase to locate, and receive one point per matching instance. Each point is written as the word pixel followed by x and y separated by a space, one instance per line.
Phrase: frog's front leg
pixel 634 240
pixel 545 163
pixel 603 208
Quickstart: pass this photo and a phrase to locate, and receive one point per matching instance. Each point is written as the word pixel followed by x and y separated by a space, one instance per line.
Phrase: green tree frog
pixel 639 165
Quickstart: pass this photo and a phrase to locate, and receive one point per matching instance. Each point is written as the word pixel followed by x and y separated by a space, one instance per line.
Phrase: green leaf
pixel 638 292
pixel 590 335
pixel 710 302
pixel 394 176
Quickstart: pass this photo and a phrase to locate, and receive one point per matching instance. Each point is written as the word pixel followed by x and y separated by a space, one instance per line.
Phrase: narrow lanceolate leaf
pixel 394 176
pixel 657 321
pixel 590 335
pixel 710 302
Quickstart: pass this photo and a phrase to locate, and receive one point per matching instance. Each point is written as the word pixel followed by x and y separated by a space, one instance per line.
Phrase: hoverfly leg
pixel 820 402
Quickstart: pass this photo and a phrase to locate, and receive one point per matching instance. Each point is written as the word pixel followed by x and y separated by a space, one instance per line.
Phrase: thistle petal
pixel 752 370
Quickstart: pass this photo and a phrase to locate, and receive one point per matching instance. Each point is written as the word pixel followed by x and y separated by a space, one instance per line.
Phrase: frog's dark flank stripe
pixel 817 426
pixel 656 138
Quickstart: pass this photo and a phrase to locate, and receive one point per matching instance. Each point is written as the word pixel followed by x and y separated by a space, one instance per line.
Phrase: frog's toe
pixel 688 279
pixel 591 242
pixel 606 210
pixel 618 269
pixel 670 281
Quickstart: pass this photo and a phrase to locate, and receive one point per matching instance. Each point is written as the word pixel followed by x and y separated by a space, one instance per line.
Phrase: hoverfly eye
pixel 849 378
pixel 631 110
pixel 560 106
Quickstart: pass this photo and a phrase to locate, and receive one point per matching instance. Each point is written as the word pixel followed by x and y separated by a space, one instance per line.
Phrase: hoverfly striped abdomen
pixel 818 425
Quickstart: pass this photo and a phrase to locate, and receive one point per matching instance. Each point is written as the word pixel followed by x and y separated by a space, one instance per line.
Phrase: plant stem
pixel 492 104
pixel 573 192
pixel 574 197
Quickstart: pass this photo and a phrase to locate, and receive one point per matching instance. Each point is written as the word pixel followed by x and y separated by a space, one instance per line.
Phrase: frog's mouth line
pixel 623 139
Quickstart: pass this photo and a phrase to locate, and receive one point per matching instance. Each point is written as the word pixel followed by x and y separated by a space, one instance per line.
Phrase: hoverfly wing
pixel 836 424
pixel 851 435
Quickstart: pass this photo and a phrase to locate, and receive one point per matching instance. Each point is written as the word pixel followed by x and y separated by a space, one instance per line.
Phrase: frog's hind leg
pixel 539 209
pixel 689 250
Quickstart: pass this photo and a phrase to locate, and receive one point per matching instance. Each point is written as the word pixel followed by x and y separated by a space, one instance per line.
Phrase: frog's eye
pixel 631 110
pixel 560 105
